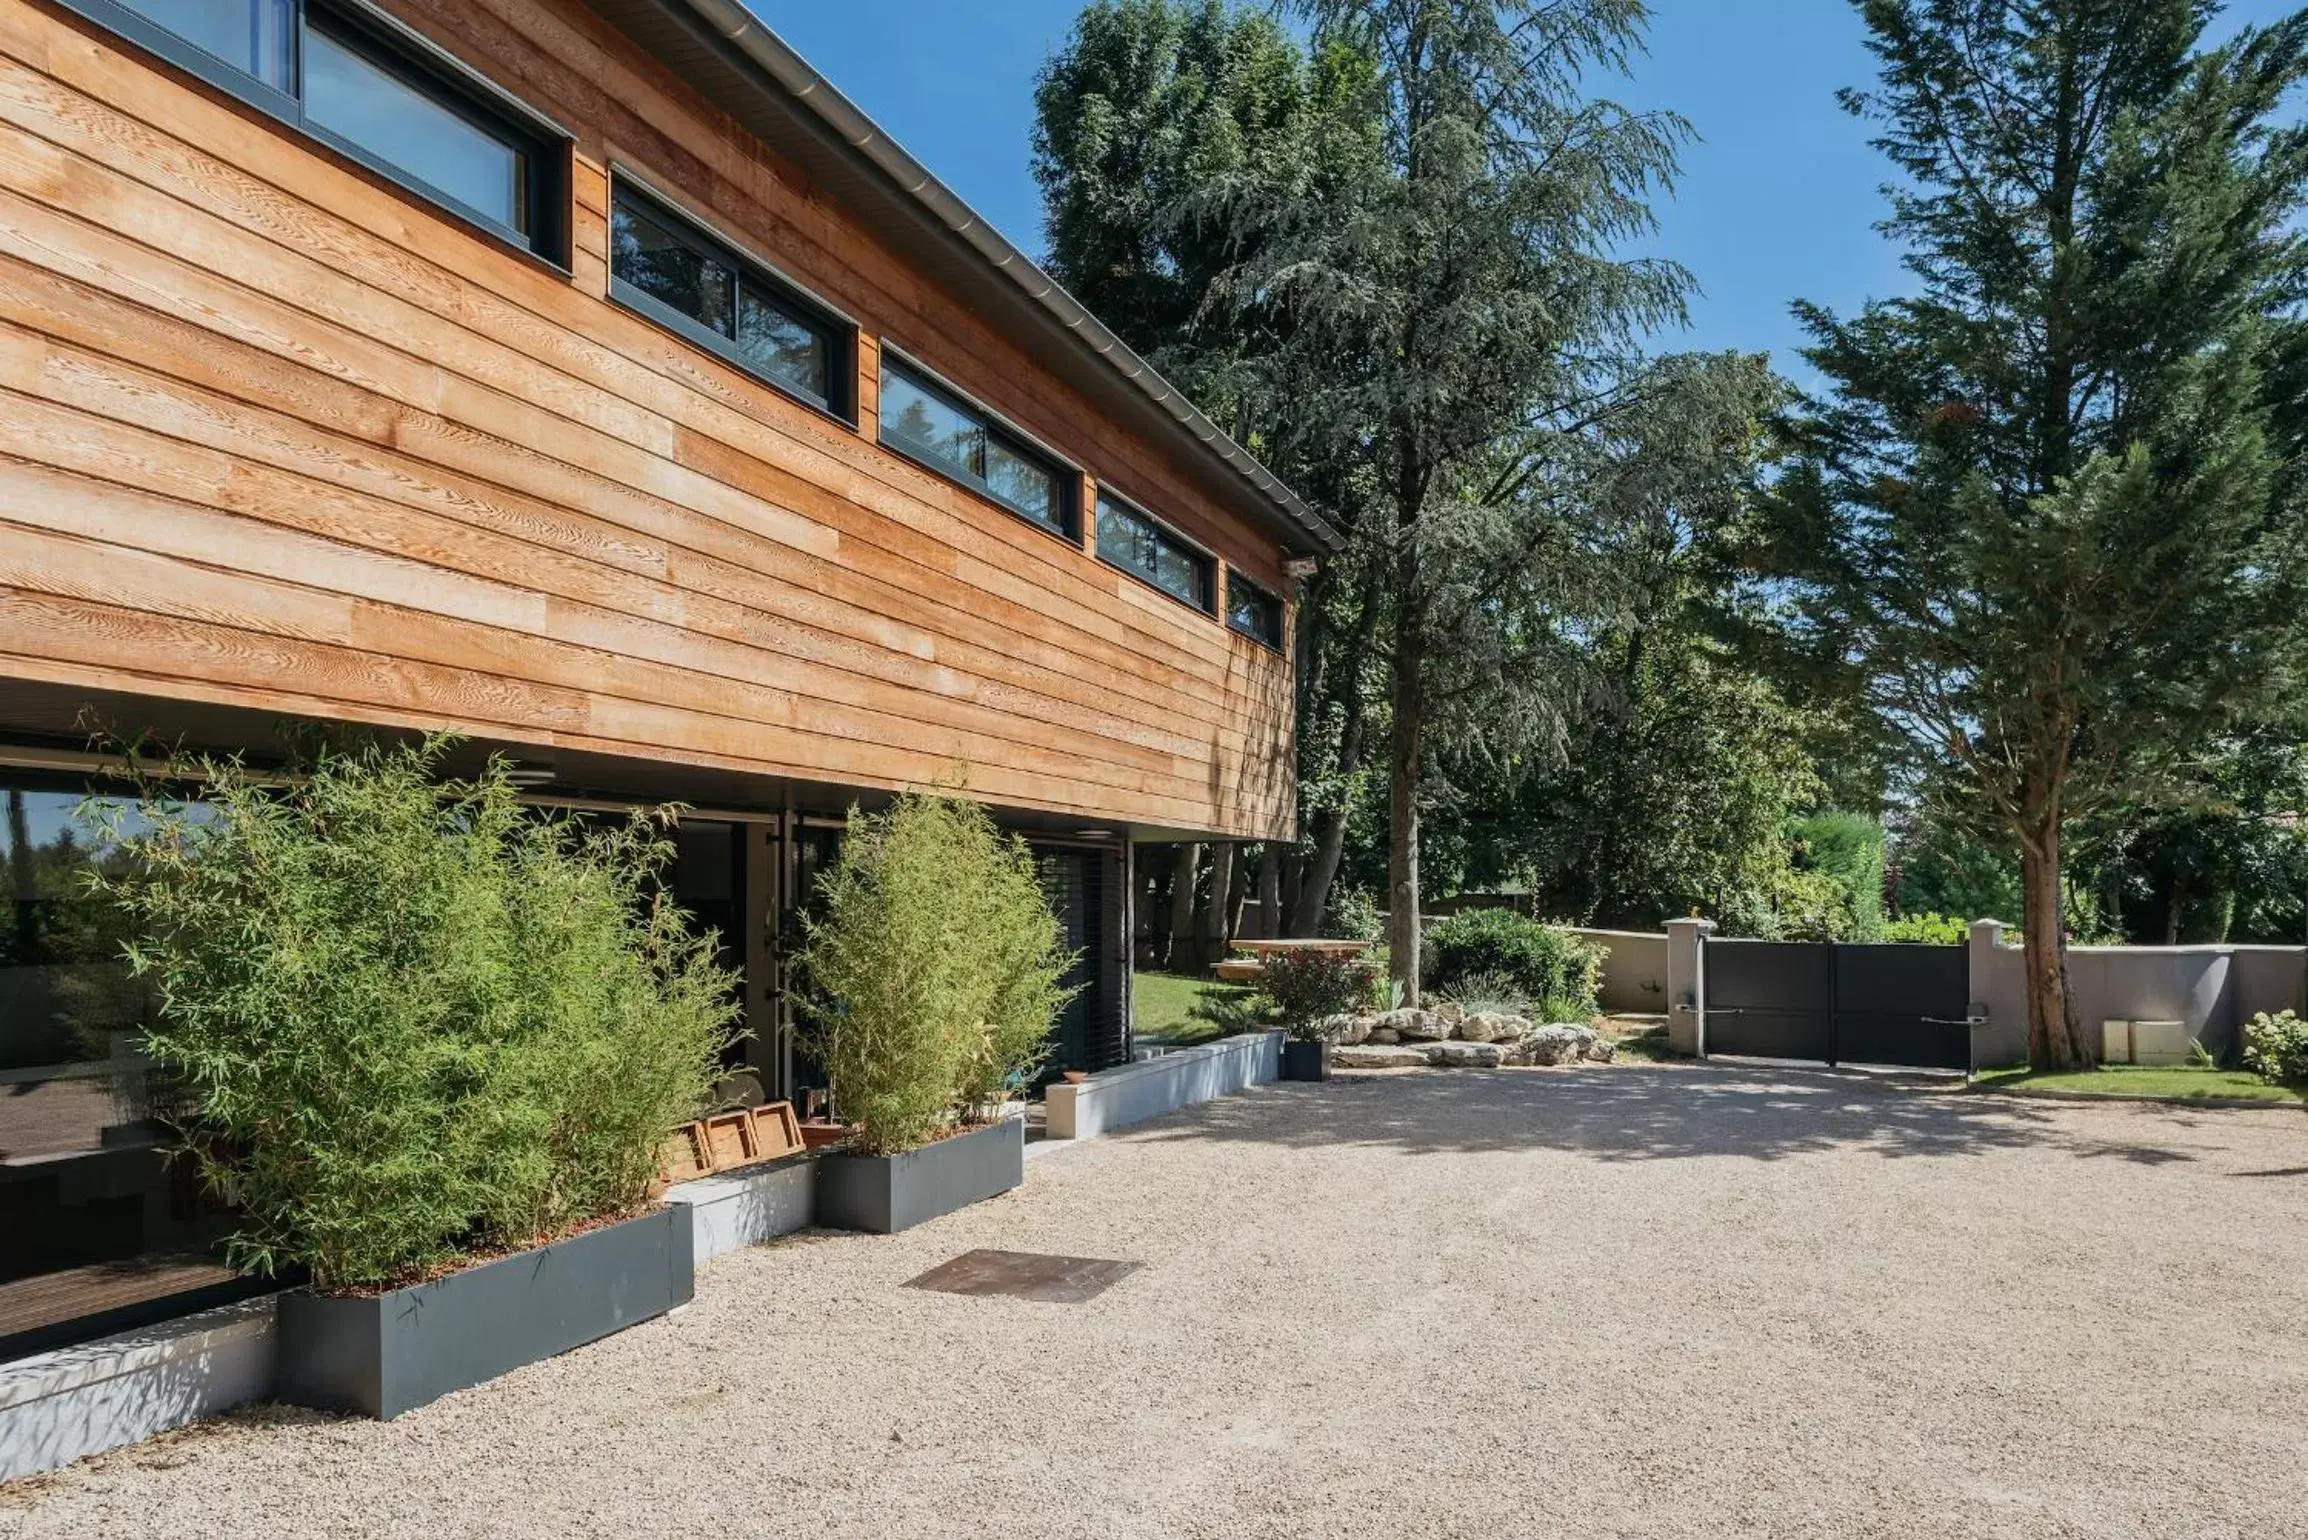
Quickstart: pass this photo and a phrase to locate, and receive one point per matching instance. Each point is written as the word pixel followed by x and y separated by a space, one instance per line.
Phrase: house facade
pixel 591 380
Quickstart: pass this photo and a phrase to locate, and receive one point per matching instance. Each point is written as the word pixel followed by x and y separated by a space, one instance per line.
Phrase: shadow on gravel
pixel 1635 1113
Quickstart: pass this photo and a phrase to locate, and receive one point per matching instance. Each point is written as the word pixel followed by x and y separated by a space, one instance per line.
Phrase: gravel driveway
pixel 1628 1301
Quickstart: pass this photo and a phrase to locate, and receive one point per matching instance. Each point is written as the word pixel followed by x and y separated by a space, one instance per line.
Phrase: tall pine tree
pixel 2046 511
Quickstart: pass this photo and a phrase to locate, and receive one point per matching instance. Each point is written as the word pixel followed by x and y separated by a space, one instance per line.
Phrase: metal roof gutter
pixel 790 74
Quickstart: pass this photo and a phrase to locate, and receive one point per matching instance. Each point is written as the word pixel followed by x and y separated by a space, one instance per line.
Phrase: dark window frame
pixel 1281 611
pixel 839 332
pixel 1204 560
pixel 416 62
pixel 1066 476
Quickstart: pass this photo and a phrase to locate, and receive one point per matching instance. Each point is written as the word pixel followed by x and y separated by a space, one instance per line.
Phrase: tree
pixel 1449 303
pixel 2044 510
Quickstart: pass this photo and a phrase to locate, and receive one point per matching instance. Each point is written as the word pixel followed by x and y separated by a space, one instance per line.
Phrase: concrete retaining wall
pixel 1132 1093
pixel 746 1208
pixel 1635 972
pixel 56 1407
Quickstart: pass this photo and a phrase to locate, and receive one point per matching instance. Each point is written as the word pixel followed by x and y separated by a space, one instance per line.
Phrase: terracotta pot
pixel 1076 1076
pixel 816 1136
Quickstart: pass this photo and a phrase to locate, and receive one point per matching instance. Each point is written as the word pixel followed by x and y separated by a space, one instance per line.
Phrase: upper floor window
pixel 951 435
pixel 1135 542
pixel 665 266
pixel 371 90
pixel 1253 611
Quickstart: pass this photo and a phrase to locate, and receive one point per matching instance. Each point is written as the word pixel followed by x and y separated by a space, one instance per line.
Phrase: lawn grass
pixel 1180 1010
pixel 2182 1083
pixel 1639 1040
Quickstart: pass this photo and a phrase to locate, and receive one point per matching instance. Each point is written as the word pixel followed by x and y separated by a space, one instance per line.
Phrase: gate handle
pixel 1962 1021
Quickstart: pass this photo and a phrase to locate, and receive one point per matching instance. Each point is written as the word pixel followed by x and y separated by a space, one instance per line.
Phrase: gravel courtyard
pixel 1627 1301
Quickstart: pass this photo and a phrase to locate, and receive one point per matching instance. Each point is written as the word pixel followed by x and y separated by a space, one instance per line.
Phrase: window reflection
pixel 361 101
pixel 257 37
pixel 99 1226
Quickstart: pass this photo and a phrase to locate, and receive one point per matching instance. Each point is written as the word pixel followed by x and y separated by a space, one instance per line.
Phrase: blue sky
pixel 1777 200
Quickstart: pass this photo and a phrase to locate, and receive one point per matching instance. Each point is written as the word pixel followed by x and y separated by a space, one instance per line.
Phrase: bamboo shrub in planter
pixel 933 974
pixel 419 1024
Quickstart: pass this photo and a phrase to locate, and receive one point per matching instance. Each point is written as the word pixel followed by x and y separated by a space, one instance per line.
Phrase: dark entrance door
pixel 1070 879
pixel 1840 1002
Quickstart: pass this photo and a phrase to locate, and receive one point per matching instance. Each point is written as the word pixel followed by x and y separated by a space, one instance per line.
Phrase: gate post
pixel 1687 986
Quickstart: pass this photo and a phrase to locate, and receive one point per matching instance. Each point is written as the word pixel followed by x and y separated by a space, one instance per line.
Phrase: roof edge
pixel 768 53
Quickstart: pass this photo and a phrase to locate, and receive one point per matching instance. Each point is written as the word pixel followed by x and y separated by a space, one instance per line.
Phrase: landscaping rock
pixel 1493 1027
pixel 1451 1011
pixel 1462 1055
pixel 1378 1056
pixel 1346 1030
pixel 1382 1035
pixel 1601 1051
pixel 1560 1043
pixel 1413 1025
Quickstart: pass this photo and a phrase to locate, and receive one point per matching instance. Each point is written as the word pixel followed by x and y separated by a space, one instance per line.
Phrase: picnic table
pixel 1246 970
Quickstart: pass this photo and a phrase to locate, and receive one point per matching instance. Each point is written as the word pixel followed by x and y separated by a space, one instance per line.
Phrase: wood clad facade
pixel 277 433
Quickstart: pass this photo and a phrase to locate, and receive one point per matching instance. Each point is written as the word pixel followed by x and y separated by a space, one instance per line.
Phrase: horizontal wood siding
pixel 275 433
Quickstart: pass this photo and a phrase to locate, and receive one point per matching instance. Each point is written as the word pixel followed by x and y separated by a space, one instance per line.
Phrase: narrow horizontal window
pixel 670 270
pixel 1138 544
pixel 390 112
pixel 256 37
pixel 1253 611
pixel 355 81
pixel 952 436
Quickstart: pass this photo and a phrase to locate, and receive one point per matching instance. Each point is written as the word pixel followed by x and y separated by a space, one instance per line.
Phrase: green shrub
pixel 1354 916
pixel 412 1018
pixel 1490 994
pixel 1305 987
pixel 1927 929
pixel 933 969
pixel 2276 1048
pixel 1555 970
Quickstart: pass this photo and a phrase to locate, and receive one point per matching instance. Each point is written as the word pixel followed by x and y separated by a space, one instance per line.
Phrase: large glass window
pixel 102 1231
pixel 1253 611
pixel 348 78
pixel 664 266
pixel 1137 543
pixel 949 434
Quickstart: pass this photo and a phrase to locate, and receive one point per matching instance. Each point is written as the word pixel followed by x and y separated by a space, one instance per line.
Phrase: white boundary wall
pixel 1132 1093
pixel 56 1407
pixel 746 1208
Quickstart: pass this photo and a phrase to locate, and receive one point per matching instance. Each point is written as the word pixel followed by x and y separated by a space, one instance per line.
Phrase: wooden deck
pixel 75 1304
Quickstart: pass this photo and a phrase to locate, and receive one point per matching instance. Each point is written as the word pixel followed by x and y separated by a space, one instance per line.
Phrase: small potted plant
pixel 1306 990
pixel 934 972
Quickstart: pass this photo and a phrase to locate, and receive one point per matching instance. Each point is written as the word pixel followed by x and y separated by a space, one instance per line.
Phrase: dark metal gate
pixel 1840 1002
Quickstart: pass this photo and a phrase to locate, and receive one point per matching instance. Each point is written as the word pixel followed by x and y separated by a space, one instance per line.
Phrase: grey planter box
pixel 888 1193
pixel 385 1355
pixel 1306 1061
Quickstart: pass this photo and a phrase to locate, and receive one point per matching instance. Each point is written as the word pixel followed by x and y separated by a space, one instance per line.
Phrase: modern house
pixel 595 381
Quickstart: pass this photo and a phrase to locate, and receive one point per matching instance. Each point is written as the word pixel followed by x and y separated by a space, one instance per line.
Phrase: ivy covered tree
pixel 2046 510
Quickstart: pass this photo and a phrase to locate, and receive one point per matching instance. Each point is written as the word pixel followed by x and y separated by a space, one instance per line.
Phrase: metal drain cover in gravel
pixel 1025 1275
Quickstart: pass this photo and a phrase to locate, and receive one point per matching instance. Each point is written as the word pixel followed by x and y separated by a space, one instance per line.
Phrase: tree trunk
pixel 2053 1041
pixel 1181 954
pixel 1330 823
pixel 1409 699
pixel 1270 890
pixel 1216 908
